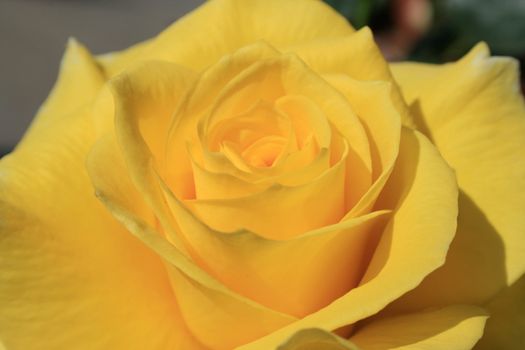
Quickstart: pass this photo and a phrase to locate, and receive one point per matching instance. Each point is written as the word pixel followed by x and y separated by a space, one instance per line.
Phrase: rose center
pixel 256 138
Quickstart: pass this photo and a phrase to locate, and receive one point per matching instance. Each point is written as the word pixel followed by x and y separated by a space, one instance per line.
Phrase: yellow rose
pixel 258 177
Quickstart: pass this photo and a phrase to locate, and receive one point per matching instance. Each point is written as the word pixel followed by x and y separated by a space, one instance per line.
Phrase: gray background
pixel 33 35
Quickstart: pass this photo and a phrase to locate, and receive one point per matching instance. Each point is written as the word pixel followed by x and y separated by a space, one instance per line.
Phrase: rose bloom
pixel 258 177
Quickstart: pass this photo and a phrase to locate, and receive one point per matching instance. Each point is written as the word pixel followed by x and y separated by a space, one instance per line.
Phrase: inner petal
pixel 263 152
pixel 255 138
pixel 308 120
pixel 245 128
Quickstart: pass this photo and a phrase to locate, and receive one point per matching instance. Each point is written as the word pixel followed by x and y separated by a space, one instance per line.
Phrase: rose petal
pixel 72 277
pixel 226 25
pixel 292 77
pixel 355 55
pixel 404 256
pixel 505 326
pixel 199 100
pixel 474 112
pixel 275 77
pixel 193 288
pixel 157 89
pixel 294 210
pixel 300 166
pixel 456 327
pixel 314 338
pixel 78 83
pixel 204 302
pixel 373 105
pixel 152 91
pixel 282 274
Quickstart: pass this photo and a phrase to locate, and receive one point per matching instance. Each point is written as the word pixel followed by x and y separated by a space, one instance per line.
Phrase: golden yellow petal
pixel 456 327
pixel 145 100
pixel 505 326
pixel 113 63
pixel 316 339
pixel 220 321
pixel 273 78
pixel 115 184
pixel 184 130
pixel 474 112
pixel 357 56
pixel 193 289
pixel 206 304
pixel 294 210
pixel 404 256
pixel 216 185
pixel 292 77
pixel 72 277
pixel 373 105
pixel 282 274
pixel 243 85
pixel 79 81
pixel 233 24
pixel 307 119
pixel 152 91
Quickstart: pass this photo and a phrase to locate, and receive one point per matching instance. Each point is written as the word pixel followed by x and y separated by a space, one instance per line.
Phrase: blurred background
pixel 33 34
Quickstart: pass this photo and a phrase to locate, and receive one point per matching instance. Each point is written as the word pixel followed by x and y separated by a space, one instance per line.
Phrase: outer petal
pixel 474 112
pixel 226 25
pixel 506 323
pixel 204 302
pixel 295 78
pixel 298 167
pixel 201 98
pixel 79 81
pixel 282 274
pixel 374 106
pixel 71 277
pixel 451 328
pixel 316 339
pixel 321 201
pixel 454 328
pixel 355 55
pixel 144 101
pixel 404 256
pixel 194 290
pixel 161 86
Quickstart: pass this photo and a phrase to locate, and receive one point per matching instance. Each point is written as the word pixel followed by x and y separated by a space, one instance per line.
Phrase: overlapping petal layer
pixel 310 339
pixel 275 77
pixel 282 274
pixel 194 158
pixel 506 322
pixel 250 272
pixel 192 286
pixel 355 55
pixel 220 27
pixel 372 103
pixel 79 81
pixel 203 301
pixel 226 251
pixel 70 272
pixel 474 112
pixel 404 256
pixel 456 327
